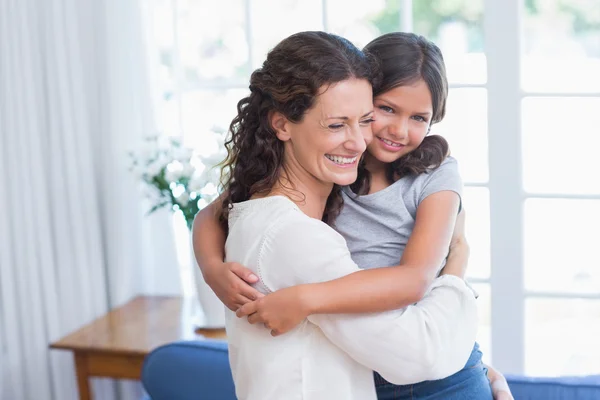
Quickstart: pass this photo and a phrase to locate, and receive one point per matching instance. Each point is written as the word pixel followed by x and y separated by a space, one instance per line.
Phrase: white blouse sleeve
pixel 426 341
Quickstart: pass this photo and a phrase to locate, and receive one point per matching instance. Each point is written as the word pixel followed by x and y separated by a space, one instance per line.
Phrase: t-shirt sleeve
pixel 445 177
pixel 430 340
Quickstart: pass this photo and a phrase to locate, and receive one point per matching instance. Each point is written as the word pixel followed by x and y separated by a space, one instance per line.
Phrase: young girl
pixel 402 208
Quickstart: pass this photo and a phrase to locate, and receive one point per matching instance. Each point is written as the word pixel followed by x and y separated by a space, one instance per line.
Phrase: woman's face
pixel 329 141
pixel 402 119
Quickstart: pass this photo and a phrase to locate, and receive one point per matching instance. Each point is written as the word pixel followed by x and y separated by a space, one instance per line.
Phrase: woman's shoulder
pixel 303 230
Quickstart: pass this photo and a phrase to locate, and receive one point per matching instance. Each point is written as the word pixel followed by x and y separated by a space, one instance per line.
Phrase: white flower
pixel 147 152
pixel 183 199
pixel 209 192
pixel 164 144
pixel 188 169
pixel 215 158
pixel 196 184
pixel 172 174
pixel 212 175
pixel 182 154
pixel 154 169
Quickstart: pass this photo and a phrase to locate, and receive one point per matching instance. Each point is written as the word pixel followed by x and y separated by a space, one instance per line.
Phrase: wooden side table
pixel 116 344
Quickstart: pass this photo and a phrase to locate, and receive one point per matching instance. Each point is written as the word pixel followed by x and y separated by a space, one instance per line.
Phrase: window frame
pixel 505 184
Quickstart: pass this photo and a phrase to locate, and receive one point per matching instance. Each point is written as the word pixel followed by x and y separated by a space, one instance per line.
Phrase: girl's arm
pixel 379 289
pixel 229 281
pixel 390 288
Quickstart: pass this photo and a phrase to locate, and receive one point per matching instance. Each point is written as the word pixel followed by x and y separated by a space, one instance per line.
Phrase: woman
pixel 299 134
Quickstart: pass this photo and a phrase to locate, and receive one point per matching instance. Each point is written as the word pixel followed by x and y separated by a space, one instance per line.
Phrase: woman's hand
pixel 280 311
pixel 500 388
pixel 230 282
pixel 459 236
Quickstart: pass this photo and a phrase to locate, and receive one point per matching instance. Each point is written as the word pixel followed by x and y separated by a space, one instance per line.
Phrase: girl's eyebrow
pixel 393 105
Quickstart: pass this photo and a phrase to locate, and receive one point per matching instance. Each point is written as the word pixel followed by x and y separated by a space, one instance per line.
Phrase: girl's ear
pixel 281 125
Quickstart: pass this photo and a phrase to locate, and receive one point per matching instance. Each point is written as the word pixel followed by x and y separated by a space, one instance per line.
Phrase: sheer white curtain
pixel 74 241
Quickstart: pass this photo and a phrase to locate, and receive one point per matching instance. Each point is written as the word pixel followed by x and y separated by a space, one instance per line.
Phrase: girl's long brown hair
pixel 288 82
pixel 405 58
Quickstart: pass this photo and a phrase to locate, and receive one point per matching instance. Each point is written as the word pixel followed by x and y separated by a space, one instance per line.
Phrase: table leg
pixel 82 376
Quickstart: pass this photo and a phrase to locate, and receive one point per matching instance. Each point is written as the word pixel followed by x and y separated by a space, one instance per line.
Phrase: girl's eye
pixel 367 121
pixel 386 109
pixel 419 118
pixel 336 126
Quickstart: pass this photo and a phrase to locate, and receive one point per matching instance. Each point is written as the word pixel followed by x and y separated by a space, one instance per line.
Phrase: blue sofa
pixel 189 370
pixel 199 370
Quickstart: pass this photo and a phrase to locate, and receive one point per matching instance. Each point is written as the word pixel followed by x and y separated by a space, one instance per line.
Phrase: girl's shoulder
pixel 448 169
pixel 449 164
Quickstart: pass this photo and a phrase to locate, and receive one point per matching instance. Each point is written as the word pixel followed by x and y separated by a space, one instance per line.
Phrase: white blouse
pixel 333 356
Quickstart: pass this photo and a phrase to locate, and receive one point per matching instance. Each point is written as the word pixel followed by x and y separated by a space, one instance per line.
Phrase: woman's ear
pixel 281 126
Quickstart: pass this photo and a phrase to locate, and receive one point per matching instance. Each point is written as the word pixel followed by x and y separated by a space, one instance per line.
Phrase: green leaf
pixel 157 206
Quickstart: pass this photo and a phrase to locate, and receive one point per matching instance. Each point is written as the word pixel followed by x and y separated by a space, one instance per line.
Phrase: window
pixel 559 64
pixel 522 120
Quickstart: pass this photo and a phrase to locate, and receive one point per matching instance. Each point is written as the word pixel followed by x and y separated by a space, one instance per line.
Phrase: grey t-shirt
pixel 377 226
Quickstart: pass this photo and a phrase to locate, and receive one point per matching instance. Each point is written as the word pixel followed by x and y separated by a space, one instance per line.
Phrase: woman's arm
pixel 419 342
pixel 229 281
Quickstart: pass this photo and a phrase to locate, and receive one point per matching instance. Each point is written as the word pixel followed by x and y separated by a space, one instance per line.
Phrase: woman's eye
pixel 367 121
pixel 386 109
pixel 419 118
pixel 336 126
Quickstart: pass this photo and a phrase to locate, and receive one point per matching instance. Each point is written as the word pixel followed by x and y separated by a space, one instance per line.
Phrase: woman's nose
pixel 359 138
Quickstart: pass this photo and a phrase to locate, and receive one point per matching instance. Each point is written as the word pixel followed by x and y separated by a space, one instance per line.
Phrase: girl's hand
pixel 230 282
pixel 280 311
pixel 500 388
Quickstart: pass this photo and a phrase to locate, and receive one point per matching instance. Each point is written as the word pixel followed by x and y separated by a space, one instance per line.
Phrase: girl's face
pixel 333 134
pixel 402 119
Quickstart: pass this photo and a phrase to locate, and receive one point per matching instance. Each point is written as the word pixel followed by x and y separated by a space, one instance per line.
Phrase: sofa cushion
pixel 560 388
pixel 189 370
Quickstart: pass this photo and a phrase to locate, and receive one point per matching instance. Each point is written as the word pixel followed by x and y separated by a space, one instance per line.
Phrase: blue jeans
pixel 470 383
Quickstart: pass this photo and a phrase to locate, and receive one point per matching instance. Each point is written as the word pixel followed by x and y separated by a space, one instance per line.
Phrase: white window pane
pixel 212 41
pixel 360 24
pixel 205 112
pixel 476 202
pixel 561 337
pixel 273 21
pixel 560 145
pixel 465 128
pixel 561 239
pixel 561 46
pixel 484 308
pixel 457 28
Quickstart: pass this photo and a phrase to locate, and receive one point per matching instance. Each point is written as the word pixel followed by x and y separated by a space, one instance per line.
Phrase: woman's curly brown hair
pixel 405 58
pixel 288 82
